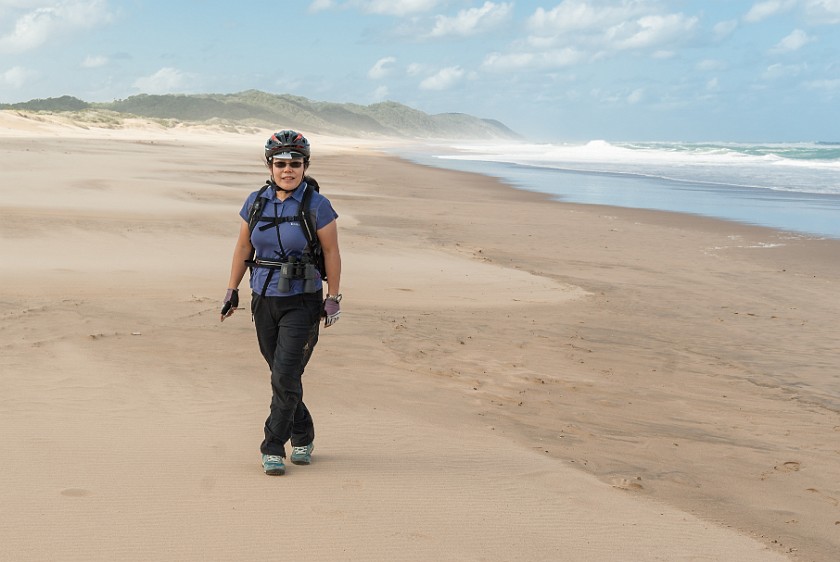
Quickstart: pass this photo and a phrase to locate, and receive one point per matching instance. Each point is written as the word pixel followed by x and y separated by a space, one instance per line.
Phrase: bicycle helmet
pixel 287 141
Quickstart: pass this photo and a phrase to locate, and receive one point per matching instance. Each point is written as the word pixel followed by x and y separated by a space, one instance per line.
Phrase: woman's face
pixel 287 173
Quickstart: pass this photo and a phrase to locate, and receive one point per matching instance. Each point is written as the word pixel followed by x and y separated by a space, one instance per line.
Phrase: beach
pixel 512 378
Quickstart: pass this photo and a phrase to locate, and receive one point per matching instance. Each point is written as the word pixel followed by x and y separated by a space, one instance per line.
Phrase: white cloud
pixel 394 7
pixel 381 68
pixel 473 21
pixel 713 85
pixel 562 57
pixel 16 77
pixel 577 15
pixel 51 21
pixel 381 93
pixel 164 81
pixel 823 11
pixel 636 96
pixel 576 31
pixel 768 8
pixel 382 7
pixel 416 68
pixel 512 61
pixel 783 71
pixel 793 42
pixel 820 12
pixel 651 31
pixel 724 29
pixel 556 58
pixel 830 86
pixel 444 79
pixel 663 54
pixel 606 96
pixel 321 5
pixel 711 64
pixel 603 28
pixel 94 61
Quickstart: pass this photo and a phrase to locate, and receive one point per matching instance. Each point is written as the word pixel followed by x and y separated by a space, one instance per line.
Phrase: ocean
pixel 789 186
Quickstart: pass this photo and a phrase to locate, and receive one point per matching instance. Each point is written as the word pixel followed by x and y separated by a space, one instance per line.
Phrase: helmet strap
pixel 274 186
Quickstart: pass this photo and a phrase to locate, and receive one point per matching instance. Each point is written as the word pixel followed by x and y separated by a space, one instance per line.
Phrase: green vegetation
pixel 64 103
pixel 253 108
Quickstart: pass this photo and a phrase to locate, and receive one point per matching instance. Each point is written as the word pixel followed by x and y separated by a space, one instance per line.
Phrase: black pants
pixel 287 331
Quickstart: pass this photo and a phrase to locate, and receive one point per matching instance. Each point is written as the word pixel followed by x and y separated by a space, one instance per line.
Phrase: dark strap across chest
pixel 277 221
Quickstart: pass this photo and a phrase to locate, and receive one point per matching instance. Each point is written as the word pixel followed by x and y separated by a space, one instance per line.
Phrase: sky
pixel 560 71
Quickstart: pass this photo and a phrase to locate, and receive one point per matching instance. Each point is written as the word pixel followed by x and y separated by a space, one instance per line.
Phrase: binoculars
pixel 298 269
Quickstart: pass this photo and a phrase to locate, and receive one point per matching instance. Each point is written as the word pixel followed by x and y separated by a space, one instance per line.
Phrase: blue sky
pixel 570 70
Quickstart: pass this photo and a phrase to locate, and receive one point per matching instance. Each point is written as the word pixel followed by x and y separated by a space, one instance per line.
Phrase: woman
pixel 287 299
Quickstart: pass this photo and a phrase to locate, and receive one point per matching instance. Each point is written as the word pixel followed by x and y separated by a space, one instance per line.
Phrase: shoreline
pixel 617 381
pixel 747 205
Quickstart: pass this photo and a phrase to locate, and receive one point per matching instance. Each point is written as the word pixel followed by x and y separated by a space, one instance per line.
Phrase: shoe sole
pixel 301 461
pixel 276 471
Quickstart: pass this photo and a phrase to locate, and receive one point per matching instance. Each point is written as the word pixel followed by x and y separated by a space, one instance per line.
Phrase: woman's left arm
pixel 328 237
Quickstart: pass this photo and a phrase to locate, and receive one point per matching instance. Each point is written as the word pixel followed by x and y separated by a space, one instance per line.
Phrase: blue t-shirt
pixel 286 239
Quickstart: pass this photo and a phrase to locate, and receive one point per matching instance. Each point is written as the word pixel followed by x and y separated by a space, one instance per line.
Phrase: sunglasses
pixel 280 164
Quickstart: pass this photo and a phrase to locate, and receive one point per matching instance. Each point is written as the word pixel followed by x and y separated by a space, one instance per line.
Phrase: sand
pixel 512 378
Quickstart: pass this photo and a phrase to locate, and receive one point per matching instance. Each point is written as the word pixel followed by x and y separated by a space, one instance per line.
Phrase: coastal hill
pixel 254 108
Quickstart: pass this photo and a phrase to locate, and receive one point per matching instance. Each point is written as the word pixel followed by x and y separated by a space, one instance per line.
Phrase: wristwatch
pixel 336 298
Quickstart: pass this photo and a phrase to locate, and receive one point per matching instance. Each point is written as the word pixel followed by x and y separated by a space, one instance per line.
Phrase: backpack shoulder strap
pixel 307 221
pixel 254 215
pixel 255 211
pixel 310 181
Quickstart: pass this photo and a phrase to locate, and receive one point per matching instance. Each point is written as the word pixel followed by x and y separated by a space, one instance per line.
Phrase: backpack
pixel 305 217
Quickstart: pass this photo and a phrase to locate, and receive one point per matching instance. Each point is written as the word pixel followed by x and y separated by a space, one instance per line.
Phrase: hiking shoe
pixel 302 455
pixel 273 465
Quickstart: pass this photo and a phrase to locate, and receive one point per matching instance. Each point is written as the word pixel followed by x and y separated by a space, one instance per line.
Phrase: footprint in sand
pixel 790 466
pixel 76 492
pixel 831 499
pixel 627 484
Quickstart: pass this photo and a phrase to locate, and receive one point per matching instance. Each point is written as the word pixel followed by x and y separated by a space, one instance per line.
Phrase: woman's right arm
pixel 241 252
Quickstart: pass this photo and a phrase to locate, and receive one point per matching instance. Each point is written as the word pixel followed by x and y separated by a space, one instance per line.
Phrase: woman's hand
pixel 230 303
pixel 332 310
